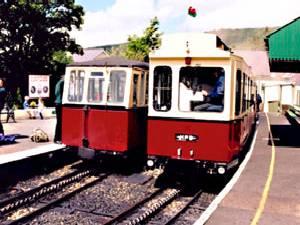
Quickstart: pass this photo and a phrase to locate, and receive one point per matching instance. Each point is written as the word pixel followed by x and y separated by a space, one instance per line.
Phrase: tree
pixel 32 34
pixel 138 48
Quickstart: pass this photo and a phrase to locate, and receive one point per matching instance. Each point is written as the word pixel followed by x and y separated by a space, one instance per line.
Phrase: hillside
pixel 242 39
pixel 246 38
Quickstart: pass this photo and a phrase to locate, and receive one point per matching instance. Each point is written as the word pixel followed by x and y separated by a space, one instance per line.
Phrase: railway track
pixel 22 207
pixel 148 210
pixel 53 202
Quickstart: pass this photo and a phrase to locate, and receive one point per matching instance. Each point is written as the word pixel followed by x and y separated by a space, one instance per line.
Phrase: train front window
pixel 201 89
pixel 116 88
pixel 162 88
pixel 95 88
pixel 76 82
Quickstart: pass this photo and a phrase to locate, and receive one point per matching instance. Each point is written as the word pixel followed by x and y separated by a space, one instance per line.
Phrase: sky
pixel 112 21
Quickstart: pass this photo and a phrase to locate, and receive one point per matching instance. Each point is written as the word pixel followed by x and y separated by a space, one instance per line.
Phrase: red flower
pixel 192 11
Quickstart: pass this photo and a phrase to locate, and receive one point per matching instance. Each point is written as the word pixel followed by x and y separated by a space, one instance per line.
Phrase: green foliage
pixel 33 34
pixel 138 48
pixel 119 50
pixel 62 57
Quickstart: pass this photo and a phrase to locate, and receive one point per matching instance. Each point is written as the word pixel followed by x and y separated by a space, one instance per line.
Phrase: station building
pixel 278 90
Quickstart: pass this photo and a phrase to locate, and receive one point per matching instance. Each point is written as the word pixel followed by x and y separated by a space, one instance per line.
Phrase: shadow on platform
pixel 286 135
pixel 21 136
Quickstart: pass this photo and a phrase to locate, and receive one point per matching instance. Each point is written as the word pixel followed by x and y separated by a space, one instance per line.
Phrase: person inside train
pixel 186 93
pixel 216 96
pixel 198 96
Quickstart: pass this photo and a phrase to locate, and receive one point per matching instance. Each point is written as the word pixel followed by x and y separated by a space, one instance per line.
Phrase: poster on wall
pixel 39 86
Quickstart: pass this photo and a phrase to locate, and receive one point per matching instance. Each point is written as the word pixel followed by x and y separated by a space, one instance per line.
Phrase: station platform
pixel 23 146
pixel 266 188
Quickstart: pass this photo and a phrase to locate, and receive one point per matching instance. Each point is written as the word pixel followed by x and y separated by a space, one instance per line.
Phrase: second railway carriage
pixel 201 103
pixel 105 106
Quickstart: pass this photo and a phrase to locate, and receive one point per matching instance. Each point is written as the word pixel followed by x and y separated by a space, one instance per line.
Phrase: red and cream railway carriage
pixel 105 106
pixel 201 103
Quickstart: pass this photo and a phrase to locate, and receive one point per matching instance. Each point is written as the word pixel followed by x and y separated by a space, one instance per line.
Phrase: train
pixel 192 105
pixel 104 107
pixel 201 103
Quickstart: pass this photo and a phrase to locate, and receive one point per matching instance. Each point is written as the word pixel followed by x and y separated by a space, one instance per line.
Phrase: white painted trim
pixel 11 157
pixel 214 204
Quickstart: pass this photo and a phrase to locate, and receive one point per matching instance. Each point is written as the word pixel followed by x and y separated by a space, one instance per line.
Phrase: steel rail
pixel 32 195
pixel 148 212
pixel 126 212
pixel 46 206
pixel 183 209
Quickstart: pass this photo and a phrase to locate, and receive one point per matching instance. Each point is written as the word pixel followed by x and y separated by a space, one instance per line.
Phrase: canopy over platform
pixel 283 46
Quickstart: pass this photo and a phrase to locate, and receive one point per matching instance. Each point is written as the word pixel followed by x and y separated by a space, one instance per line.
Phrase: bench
pixel 48 112
pixel 294 116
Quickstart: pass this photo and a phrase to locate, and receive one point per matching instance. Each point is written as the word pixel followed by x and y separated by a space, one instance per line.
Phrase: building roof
pixel 259 63
pixel 284 43
pixel 258 60
pixel 89 54
pixel 111 61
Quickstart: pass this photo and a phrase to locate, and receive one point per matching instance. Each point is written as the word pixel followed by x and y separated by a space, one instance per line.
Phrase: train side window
pixel 147 87
pixel 249 94
pixel 116 88
pixel 238 92
pixel 95 88
pixel 244 93
pixel 162 88
pixel 142 88
pixel 76 81
pixel 252 100
pixel 135 90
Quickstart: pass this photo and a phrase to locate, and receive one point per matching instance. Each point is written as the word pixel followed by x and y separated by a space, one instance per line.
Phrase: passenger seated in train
pixel 214 98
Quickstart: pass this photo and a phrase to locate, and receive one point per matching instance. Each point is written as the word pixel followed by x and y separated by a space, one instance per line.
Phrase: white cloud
pixel 127 17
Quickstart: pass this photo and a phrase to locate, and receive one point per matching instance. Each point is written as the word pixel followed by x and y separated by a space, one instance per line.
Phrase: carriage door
pixel 136 121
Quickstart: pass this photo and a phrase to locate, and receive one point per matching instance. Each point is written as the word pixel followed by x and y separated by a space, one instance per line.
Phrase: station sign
pixel 39 86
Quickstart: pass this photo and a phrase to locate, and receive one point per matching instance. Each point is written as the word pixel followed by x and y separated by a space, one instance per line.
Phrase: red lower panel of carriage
pixel 72 126
pixel 107 130
pixel 194 140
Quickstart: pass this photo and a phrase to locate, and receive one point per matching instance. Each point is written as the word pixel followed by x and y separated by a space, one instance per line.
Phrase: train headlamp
pixel 221 170
pixel 150 163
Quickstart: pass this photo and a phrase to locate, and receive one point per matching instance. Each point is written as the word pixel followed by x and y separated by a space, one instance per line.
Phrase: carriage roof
pixel 110 62
pixel 193 44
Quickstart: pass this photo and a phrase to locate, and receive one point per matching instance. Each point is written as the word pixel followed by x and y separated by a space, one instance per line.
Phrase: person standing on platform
pixel 59 87
pixel 41 107
pixel 2 102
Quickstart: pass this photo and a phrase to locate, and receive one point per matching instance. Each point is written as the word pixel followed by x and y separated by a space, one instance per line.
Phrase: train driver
pixel 216 96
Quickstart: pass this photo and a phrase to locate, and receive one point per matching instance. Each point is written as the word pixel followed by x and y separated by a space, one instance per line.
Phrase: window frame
pixel 169 88
pixel 213 106
pixel 125 98
pixel 91 76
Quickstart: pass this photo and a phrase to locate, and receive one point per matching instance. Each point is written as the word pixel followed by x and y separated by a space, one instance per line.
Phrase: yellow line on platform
pixel 265 193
